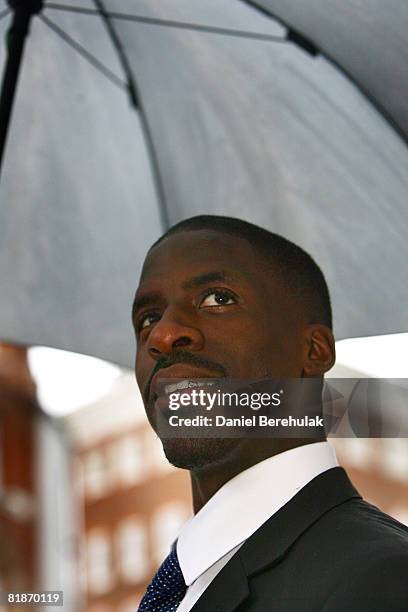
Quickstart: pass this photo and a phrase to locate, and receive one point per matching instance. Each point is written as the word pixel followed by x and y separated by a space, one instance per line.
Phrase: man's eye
pixel 147 320
pixel 218 298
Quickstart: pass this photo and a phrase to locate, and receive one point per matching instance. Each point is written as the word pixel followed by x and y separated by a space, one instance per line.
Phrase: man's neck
pixel 205 482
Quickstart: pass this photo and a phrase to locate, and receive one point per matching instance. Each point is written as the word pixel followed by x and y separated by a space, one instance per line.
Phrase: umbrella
pixel 290 115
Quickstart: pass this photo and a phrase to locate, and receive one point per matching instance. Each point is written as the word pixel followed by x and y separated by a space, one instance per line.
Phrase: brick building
pixel 18 493
pixel 133 501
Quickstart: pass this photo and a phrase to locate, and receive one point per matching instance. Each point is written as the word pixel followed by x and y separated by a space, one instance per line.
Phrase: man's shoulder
pixel 363 557
pixel 355 537
pixel 327 522
pixel 355 544
pixel 354 557
pixel 362 526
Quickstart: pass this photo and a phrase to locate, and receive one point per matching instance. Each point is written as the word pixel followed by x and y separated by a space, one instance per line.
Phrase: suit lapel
pixel 227 591
pixel 269 544
pixel 271 541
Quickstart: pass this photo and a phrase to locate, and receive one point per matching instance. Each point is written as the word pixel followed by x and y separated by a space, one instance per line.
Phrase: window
pixel 99 566
pixel 400 513
pixel 154 450
pixel 355 452
pixel 166 524
pixel 127 460
pixel 96 477
pixel 79 478
pixel 394 458
pixel 132 550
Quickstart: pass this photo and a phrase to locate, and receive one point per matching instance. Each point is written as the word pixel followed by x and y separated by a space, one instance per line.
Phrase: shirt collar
pixel 245 502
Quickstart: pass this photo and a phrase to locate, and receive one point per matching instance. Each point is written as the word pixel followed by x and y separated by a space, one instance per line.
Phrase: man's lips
pixel 180 371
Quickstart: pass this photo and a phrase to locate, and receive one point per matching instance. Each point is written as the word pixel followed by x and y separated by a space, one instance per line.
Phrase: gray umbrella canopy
pixel 251 127
pixel 368 40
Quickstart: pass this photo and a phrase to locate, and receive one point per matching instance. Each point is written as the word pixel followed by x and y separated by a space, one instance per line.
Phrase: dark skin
pixel 208 305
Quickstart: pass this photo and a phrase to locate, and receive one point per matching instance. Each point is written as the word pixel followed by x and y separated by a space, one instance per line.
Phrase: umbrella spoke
pixel 167 23
pixel 85 54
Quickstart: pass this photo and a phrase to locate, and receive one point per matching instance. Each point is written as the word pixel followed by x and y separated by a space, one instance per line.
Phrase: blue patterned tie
pixel 167 588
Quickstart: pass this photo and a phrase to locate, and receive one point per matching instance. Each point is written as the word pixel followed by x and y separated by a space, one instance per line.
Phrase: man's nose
pixel 172 332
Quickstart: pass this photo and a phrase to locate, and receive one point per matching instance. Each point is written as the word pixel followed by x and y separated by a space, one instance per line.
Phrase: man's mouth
pixel 186 377
pixel 182 385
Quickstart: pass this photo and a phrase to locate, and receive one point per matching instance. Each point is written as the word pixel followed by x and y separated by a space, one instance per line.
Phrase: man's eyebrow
pixel 203 279
pixel 144 300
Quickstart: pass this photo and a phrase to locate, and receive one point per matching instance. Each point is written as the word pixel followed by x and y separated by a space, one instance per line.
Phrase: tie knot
pixel 167 588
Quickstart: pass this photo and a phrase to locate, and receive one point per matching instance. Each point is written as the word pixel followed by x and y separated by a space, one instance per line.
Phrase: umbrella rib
pixel 84 53
pixel 167 23
pixel 138 104
pixel 100 11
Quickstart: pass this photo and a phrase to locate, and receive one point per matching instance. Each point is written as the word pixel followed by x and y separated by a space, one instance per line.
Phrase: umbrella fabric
pixel 77 202
pixel 251 128
pixel 368 40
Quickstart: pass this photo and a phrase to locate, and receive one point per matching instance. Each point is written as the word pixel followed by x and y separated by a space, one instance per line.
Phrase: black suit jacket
pixel 326 550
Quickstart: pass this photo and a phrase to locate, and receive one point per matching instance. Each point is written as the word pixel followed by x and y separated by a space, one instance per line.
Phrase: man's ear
pixel 320 351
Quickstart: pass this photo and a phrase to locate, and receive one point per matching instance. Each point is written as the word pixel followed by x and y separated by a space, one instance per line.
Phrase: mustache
pixel 182 356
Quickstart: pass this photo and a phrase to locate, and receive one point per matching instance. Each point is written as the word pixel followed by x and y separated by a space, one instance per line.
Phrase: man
pixel 278 525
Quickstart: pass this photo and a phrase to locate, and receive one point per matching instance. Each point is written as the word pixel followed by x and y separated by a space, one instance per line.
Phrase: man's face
pixel 209 306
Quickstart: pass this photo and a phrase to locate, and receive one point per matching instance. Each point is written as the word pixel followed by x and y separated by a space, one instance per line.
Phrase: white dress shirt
pixel 210 538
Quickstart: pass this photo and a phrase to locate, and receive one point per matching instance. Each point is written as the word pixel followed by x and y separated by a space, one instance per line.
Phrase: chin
pixel 198 453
